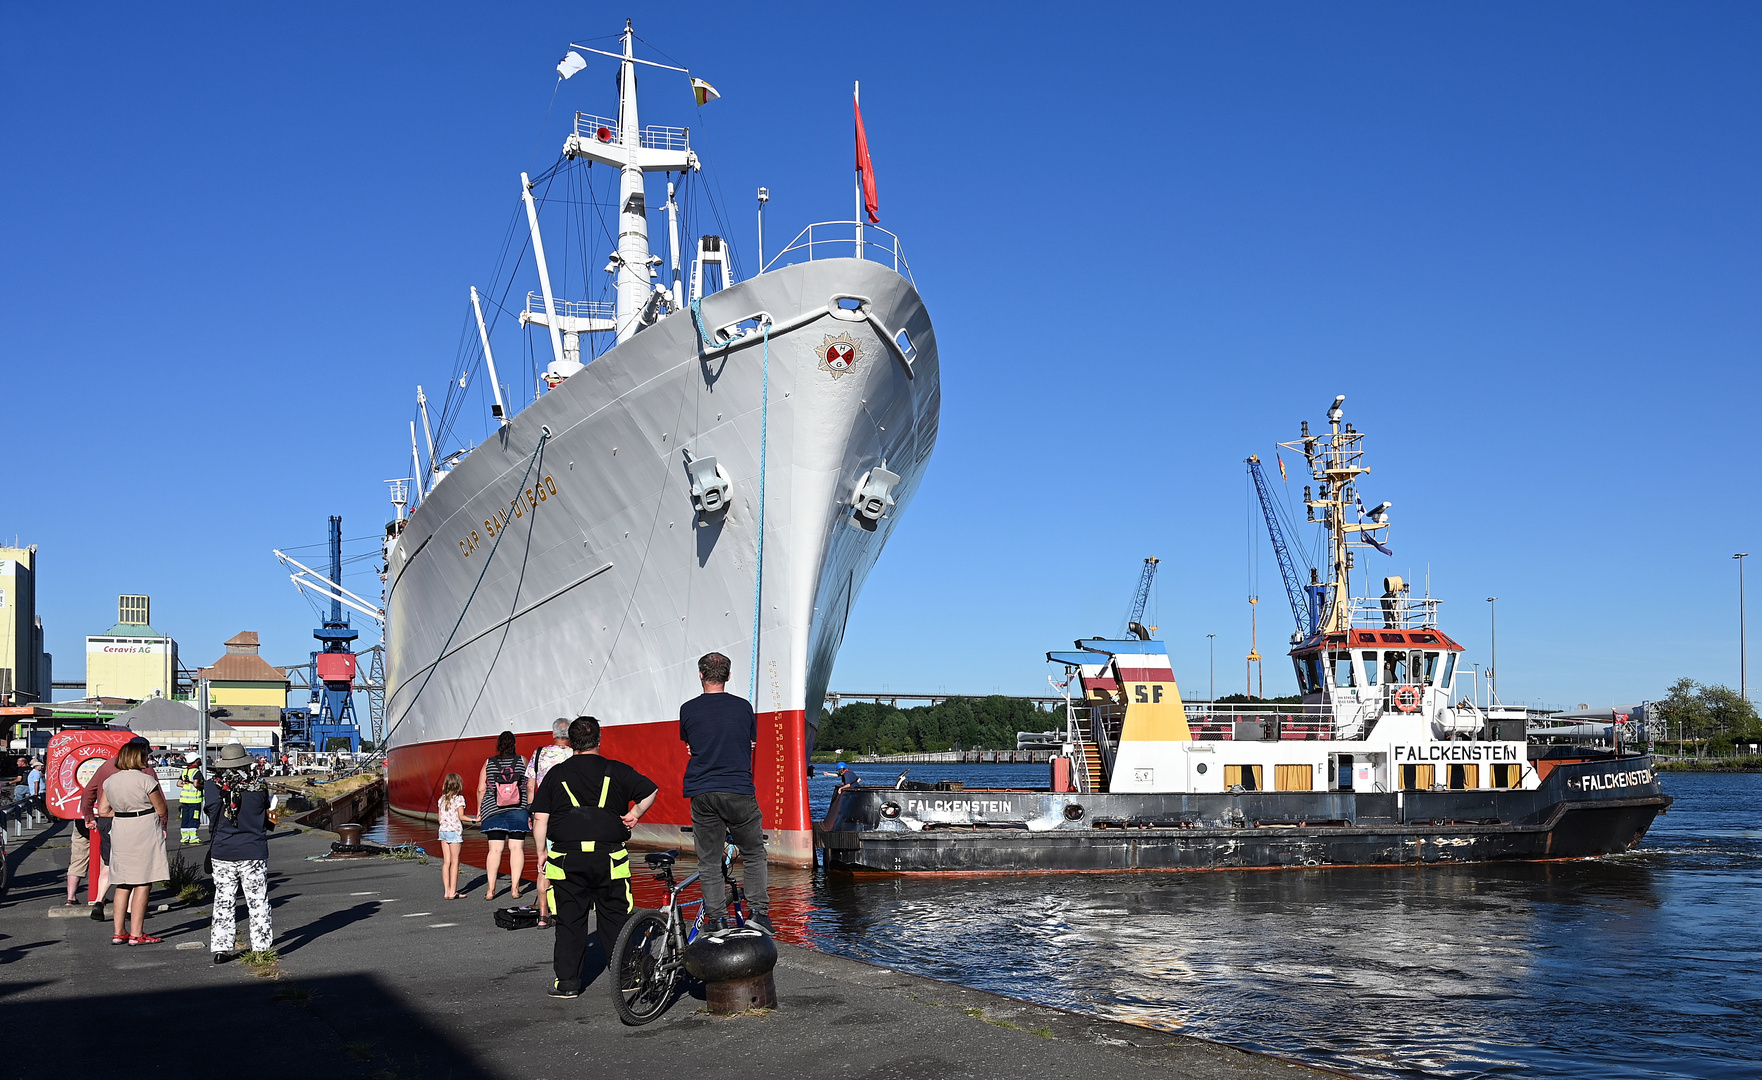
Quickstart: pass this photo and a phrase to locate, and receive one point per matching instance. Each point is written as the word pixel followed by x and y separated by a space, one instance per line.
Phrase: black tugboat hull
pixel 1582 810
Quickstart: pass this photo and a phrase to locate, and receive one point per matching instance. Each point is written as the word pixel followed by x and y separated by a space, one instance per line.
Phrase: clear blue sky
pixel 1523 239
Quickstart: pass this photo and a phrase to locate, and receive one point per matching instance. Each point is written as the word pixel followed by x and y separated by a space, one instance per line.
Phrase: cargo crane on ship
pixel 1140 599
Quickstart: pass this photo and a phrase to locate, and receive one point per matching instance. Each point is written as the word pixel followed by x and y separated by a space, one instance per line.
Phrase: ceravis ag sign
pixel 1457 753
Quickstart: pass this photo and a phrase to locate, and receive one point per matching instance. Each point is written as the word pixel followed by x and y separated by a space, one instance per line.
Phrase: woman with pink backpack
pixel 501 810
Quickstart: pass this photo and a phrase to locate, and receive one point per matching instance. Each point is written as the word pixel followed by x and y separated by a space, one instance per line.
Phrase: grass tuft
pixel 360 1049
pixel 265 963
pixel 183 876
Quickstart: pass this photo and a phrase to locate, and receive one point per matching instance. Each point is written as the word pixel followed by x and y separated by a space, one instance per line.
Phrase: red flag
pixel 866 167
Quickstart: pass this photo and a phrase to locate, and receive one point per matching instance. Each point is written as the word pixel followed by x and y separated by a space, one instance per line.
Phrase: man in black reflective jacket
pixel 581 819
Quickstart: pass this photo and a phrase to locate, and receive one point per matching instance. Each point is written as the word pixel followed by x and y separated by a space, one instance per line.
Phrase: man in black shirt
pixel 720 733
pixel 581 818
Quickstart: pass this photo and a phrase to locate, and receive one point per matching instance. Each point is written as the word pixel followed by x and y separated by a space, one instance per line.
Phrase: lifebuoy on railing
pixel 1407 698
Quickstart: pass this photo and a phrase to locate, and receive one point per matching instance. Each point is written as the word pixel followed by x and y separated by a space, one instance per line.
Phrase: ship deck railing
pixel 572 309
pixel 838 240
pixel 604 129
pixel 1228 722
pixel 1394 612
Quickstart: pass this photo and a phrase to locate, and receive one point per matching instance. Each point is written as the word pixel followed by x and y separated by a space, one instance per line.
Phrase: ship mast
pixel 624 145
pixel 1336 461
pixel 633 222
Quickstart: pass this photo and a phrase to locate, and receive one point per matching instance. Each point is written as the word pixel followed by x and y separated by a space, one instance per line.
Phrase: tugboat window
pixel 1248 776
pixel 1343 672
pixel 1431 665
pixel 1418 777
pixel 1395 667
pixel 1370 668
pixel 1505 776
pixel 1449 670
pixel 1309 673
pixel 1464 776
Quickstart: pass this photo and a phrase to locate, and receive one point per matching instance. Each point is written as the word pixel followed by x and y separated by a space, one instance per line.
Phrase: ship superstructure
pixel 721 476
pixel 1383 760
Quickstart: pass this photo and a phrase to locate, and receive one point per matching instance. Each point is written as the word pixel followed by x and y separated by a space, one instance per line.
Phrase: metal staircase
pixel 1094 777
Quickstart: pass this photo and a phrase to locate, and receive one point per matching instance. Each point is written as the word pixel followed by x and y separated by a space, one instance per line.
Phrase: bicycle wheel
pixel 643 974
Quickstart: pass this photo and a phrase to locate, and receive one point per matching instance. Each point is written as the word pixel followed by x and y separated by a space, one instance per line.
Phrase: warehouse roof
pixel 242 664
pixel 163 714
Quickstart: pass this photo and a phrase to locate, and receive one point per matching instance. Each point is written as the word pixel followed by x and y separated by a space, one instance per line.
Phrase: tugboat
pixel 1384 761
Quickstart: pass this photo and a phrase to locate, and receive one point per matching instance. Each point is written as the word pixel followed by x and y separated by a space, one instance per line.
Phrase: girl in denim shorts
pixel 452 832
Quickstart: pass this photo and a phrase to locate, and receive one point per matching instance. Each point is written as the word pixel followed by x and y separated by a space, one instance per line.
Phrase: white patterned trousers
pixel 251 876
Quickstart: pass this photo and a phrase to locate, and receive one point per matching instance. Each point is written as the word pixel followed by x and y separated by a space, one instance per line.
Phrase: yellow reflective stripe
pixel 605 789
pixel 629 897
pixel 587 845
pixel 573 801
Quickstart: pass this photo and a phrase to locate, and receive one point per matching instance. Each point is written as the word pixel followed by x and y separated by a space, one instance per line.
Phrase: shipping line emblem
pixel 839 355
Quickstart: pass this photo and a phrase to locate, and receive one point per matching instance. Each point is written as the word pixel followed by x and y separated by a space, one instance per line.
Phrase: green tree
pixel 1715 716
pixel 894 735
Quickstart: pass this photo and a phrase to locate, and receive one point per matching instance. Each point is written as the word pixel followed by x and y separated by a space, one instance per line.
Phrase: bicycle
pixel 648 962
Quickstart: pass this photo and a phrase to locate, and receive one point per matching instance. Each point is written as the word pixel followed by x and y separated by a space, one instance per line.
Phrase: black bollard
pixel 735 966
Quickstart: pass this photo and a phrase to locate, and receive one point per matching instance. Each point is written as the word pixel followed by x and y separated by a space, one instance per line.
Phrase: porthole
pixel 1201 767
pixel 1073 812
pixel 890 810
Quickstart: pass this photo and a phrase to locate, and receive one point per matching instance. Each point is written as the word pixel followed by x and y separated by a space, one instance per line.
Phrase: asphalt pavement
pixel 379 978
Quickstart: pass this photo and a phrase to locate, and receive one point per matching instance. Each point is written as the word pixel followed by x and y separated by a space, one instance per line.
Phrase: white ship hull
pixel 604 584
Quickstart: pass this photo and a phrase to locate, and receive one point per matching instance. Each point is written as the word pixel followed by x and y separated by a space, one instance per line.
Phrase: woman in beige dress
pixel 132 799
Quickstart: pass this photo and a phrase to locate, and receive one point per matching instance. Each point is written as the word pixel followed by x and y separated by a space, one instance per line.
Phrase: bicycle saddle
pixel 661 858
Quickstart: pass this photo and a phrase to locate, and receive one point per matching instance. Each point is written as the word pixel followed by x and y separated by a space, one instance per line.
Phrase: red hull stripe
pixel 1149 674
pixel 416 772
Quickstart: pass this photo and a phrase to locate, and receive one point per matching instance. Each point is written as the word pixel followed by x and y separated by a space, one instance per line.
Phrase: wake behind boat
pixel 721 477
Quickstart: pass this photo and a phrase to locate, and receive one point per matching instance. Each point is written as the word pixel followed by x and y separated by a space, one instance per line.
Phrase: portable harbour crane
pixel 1305 601
pixel 1141 597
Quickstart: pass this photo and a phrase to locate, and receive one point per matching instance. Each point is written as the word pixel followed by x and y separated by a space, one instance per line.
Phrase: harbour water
pixel 1639 965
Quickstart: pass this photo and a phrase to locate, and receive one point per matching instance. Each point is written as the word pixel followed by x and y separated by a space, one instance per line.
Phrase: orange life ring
pixel 1407 698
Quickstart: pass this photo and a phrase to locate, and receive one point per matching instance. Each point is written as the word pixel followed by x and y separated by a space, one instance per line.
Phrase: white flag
pixel 570 64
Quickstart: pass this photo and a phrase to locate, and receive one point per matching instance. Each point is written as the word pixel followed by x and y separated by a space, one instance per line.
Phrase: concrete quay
pixel 380 979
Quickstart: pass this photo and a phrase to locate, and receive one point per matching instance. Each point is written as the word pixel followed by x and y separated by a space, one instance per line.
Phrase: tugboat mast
pixel 1335 462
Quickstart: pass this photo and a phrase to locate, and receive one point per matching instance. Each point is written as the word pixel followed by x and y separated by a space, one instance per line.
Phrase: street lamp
pixel 1493 655
pixel 1743 655
pixel 1211 642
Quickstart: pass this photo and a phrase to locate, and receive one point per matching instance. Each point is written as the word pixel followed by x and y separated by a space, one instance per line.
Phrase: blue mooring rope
pixel 759 573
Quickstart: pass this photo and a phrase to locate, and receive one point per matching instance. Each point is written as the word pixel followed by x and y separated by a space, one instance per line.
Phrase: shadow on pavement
pixel 341 1026
pixel 302 936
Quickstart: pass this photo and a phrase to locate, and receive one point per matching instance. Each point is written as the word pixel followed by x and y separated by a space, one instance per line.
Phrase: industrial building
pixel 25 669
pixel 131 659
pixel 246 689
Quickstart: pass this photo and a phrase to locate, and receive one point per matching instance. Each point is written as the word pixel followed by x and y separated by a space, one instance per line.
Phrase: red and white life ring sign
pixel 1407 698
pixel 74 755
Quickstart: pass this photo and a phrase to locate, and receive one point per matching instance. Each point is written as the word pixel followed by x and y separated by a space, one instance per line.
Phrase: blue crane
pixel 1135 618
pixel 333 667
pixel 1305 603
